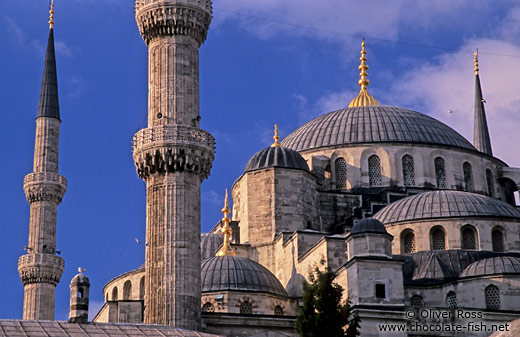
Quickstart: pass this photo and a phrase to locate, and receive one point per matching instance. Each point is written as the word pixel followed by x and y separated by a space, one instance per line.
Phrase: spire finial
pixel 276 137
pixel 364 98
pixel 476 61
pixel 227 231
pixel 51 17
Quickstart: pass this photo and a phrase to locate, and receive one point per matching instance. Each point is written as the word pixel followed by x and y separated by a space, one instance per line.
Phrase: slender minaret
pixel 173 156
pixel 40 269
pixel 480 131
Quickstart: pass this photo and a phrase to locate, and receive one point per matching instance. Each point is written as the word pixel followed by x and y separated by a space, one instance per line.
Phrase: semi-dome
pixel 368 225
pixel 493 265
pixel 445 204
pixel 276 156
pixel 234 273
pixel 373 124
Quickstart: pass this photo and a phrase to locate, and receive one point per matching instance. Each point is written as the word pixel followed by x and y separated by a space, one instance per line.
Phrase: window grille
pixel 497 240
pixel 374 171
pixel 408 170
pixel 468 177
pixel 469 238
pixel 440 172
pixel 416 300
pixel 409 243
pixel 246 308
pixel 341 173
pixel 492 295
pixel 278 310
pixel 208 307
pixel 489 180
pixel 438 239
pixel 451 300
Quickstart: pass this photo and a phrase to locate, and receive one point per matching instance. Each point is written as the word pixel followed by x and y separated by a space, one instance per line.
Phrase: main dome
pixel 373 124
pixel 234 273
pixel 445 204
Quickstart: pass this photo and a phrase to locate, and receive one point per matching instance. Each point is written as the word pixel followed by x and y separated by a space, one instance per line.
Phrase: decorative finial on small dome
pixel 364 98
pixel 51 17
pixel 276 137
pixel 227 231
pixel 476 61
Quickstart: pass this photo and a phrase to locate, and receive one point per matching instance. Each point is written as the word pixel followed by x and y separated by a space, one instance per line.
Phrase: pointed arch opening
pixel 408 242
pixel 437 238
pixel 408 170
pixel 440 172
pixel 374 171
pixel 468 235
pixel 340 167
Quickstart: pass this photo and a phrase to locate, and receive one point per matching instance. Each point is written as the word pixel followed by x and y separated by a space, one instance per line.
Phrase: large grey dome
pixel 373 124
pixel 445 204
pixel 493 265
pixel 209 244
pixel 276 157
pixel 224 273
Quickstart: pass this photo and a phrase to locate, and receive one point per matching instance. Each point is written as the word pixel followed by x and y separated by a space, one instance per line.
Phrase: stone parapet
pixel 44 186
pixel 171 148
pixel 175 17
pixel 40 268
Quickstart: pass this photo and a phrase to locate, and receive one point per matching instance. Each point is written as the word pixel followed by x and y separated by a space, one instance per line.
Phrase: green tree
pixel 322 314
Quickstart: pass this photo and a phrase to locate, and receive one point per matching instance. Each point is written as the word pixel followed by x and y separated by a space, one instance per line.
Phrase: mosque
pixel 410 215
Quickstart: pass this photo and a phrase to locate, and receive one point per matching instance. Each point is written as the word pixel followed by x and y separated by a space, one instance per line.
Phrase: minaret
pixel 480 130
pixel 173 156
pixel 363 98
pixel 41 269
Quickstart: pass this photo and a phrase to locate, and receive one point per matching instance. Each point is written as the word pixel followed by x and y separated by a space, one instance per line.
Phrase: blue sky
pixel 260 66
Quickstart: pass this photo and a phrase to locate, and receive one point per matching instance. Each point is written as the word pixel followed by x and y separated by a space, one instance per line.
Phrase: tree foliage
pixel 322 314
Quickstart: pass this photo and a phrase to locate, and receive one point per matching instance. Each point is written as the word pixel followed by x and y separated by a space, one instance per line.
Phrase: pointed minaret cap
pixel 49 104
pixel 276 137
pixel 363 98
pixel 481 139
pixel 226 249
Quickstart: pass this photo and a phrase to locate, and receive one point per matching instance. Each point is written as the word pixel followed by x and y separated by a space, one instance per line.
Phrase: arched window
pixel 114 294
pixel 416 300
pixel 80 292
pixel 141 288
pixel 127 290
pixel 374 171
pixel 408 170
pixel 468 177
pixel 469 237
pixel 492 296
pixel 497 240
pixel 208 307
pixel 451 299
pixel 246 307
pixel 440 172
pixel 340 165
pixel 489 180
pixel 408 240
pixel 438 240
pixel 278 310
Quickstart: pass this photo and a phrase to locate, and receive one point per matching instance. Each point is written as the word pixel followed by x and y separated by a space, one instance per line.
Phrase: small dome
pixel 373 124
pixel 445 204
pixel 368 225
pixel 80 279
pixel 209 244
pixel 276 157
pixel 493 265
pixel 234 273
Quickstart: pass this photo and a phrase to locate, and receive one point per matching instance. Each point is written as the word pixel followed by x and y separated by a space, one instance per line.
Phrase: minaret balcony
pixel 44 186
pixel 40 268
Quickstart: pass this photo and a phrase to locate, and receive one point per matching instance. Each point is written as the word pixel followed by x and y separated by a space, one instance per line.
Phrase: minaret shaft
pixel 173 156
pixel 46 145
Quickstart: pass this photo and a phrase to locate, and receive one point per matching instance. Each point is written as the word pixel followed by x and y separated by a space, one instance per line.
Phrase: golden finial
pixel 476 61
pixel 364 98
pixel 227 231
pixel 276 137
pixel 51 18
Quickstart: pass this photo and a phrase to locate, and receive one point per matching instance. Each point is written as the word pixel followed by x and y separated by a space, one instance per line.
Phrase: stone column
pixel 173 156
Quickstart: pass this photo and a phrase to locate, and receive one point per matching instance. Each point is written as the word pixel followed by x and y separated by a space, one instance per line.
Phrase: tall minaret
pixel 173 156
pixel 40 269
pixel 480 131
